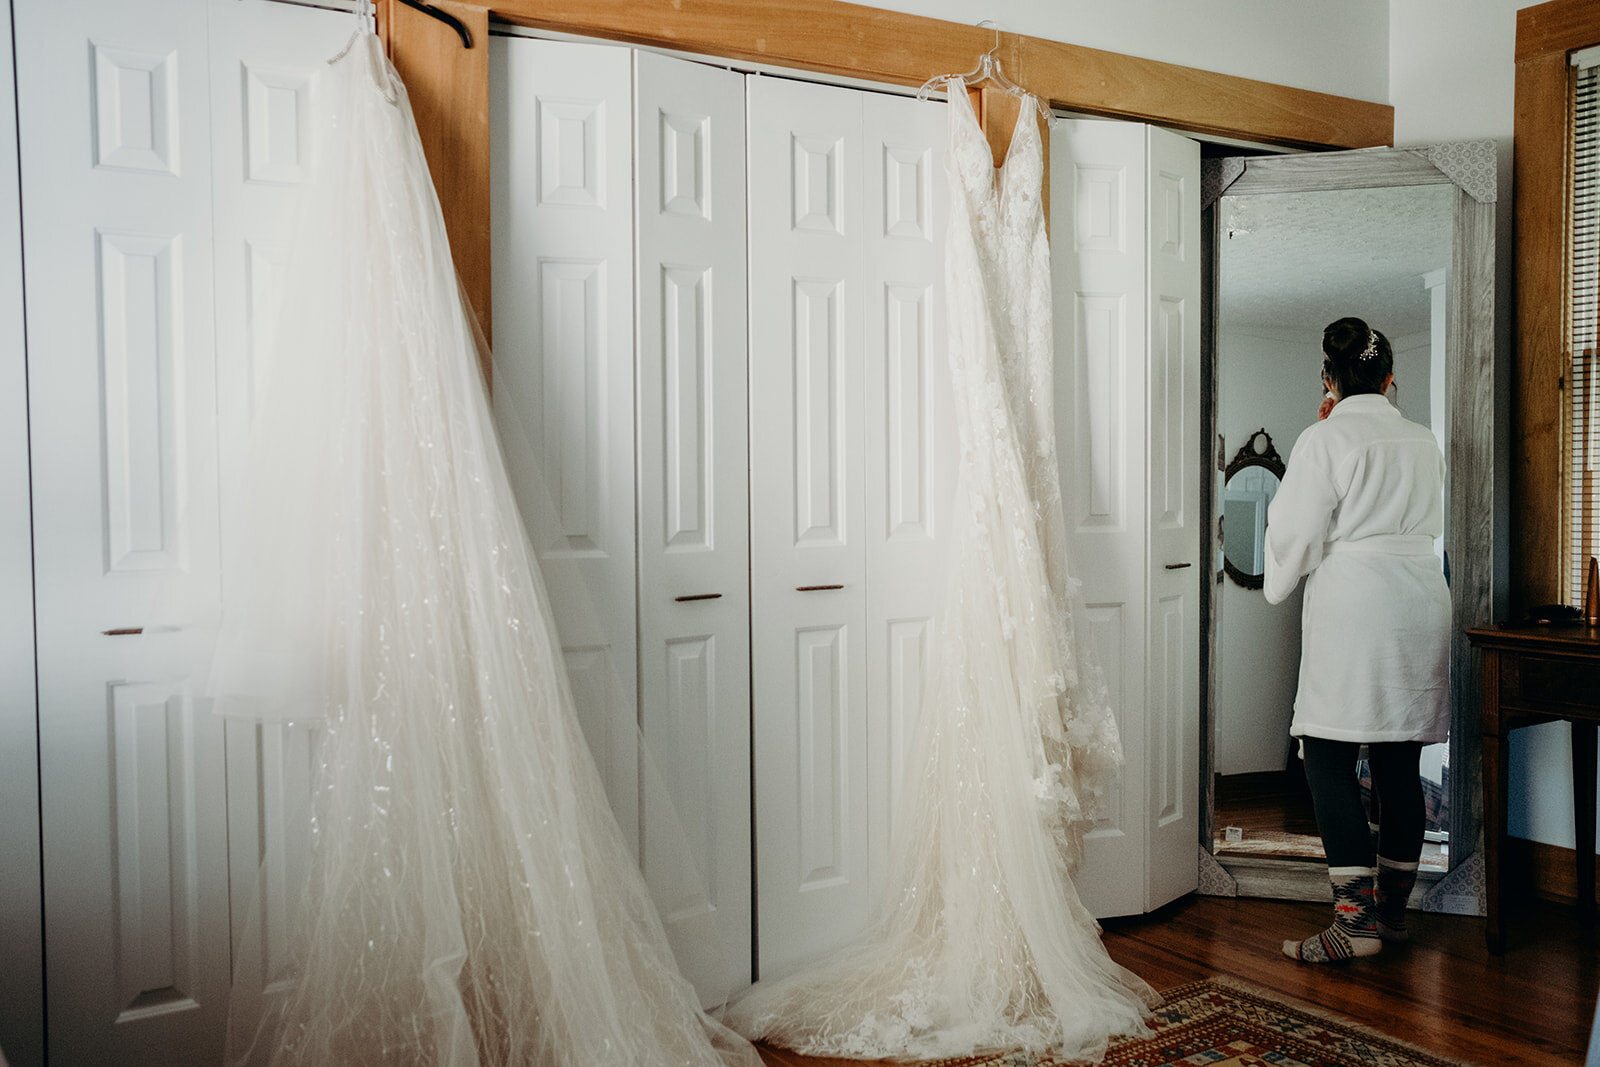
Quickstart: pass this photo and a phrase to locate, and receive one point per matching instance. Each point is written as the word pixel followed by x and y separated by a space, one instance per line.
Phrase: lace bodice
pixel 1005 369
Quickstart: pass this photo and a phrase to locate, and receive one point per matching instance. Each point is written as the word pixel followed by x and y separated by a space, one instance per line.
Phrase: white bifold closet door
pixel 562 206
pixel 619 294
pixel 160 144
pixel 266 63
pixel 852 460
pixel 694 558
pixel 1125 245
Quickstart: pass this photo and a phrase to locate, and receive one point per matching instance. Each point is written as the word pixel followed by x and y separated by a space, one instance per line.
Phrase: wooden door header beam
pixel 833 37
pixel 1554 27
pixel 449 85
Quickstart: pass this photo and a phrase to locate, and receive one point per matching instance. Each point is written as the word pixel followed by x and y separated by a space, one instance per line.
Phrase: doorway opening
pixel 1286 262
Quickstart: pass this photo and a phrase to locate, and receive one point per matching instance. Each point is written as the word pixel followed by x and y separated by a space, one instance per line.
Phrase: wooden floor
pixel 1443 991
pixel 1266 801
pixel 1276 807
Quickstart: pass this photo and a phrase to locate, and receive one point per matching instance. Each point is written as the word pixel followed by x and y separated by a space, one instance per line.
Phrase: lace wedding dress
pixel 470 899
pixel 982 942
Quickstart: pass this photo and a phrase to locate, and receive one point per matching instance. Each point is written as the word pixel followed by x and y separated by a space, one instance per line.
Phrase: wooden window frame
pixel 1547 35
pixel 449 85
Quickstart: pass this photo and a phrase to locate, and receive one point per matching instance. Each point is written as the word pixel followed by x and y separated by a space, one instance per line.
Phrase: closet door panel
pixel 267 61
pixel 693 533
pixel 1098 267
pixel 910 444
pixel 116 185
pixel 562 202
pixel 807 520
pixel 1175 463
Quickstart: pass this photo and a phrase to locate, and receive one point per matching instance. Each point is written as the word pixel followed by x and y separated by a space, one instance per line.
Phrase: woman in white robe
pixel 1358 512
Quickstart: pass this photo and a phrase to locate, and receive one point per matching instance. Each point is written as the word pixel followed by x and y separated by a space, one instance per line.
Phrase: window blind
pixel 1583 377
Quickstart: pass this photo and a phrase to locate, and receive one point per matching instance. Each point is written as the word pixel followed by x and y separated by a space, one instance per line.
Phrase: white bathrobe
pixel 1358 511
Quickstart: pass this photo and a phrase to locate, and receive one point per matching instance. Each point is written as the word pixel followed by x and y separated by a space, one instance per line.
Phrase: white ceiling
pixel 1297 261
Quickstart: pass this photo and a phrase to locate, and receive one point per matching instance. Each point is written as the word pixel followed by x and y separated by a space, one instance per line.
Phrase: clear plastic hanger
pixel 365 34
pixel 366 23
pixel 988 69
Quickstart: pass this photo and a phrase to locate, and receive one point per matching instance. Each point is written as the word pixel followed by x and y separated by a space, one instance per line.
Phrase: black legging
pixel 1336 794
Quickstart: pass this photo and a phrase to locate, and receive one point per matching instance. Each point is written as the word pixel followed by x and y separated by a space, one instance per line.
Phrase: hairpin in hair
pixel 1371 351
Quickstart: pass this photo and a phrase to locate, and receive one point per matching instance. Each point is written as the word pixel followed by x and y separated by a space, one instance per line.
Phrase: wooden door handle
pixel 815 588
pixel 1178 566
pixel 698 596
pixel 126 631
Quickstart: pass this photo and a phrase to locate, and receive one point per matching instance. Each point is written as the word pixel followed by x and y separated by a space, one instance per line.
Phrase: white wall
pixel 1413 374
pixel 1267 380
pixel 1452 77
pixel 1258 668
pixel 1339 48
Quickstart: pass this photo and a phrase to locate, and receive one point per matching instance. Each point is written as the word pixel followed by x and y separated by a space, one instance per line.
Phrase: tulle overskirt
pixel 470 899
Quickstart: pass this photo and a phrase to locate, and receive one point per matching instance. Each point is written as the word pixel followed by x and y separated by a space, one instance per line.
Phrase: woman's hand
pixel 1325 408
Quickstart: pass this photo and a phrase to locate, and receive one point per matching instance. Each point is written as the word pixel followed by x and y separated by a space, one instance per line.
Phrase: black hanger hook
pixel 444 17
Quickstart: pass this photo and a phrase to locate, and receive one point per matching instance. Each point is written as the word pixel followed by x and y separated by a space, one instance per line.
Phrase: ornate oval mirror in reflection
pixel 1249 484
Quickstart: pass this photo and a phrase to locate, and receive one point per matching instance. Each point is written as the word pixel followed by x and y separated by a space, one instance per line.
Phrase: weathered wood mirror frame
pixel 1469 543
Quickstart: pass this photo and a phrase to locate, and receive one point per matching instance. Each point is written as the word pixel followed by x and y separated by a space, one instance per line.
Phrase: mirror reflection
pixel 1248 486
pixel 1287 265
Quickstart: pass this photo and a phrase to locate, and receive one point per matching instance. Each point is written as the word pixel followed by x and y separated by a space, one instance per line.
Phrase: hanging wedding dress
pixel 982 942
pixel 470 899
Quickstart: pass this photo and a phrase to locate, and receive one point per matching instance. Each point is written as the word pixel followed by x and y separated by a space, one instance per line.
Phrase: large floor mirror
pixel 1403 238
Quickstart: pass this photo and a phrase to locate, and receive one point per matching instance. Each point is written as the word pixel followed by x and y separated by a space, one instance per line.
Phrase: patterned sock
pixel 1355 926
pixel 1389 900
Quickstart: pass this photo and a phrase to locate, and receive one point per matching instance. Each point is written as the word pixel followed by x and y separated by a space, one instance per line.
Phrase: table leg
pixel 1495 755
pixel 1496 752
pixel 1583 789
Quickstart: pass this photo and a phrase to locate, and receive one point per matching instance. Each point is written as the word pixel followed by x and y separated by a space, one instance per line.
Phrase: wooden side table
pixel 1534 674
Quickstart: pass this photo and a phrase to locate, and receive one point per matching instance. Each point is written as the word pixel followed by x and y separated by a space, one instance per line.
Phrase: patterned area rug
pixel 1222 1022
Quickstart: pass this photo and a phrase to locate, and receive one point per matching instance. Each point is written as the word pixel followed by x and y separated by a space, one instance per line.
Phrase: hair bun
pixel 1348 339
pixel 1356 358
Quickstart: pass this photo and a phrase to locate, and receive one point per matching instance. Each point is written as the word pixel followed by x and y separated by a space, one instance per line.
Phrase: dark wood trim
pixel 1546 34
pixel 1540 140
pixel 1553 27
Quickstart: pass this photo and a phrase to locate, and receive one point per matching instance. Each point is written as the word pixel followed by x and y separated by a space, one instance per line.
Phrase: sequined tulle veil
pixel 982 942
pixel 470 898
